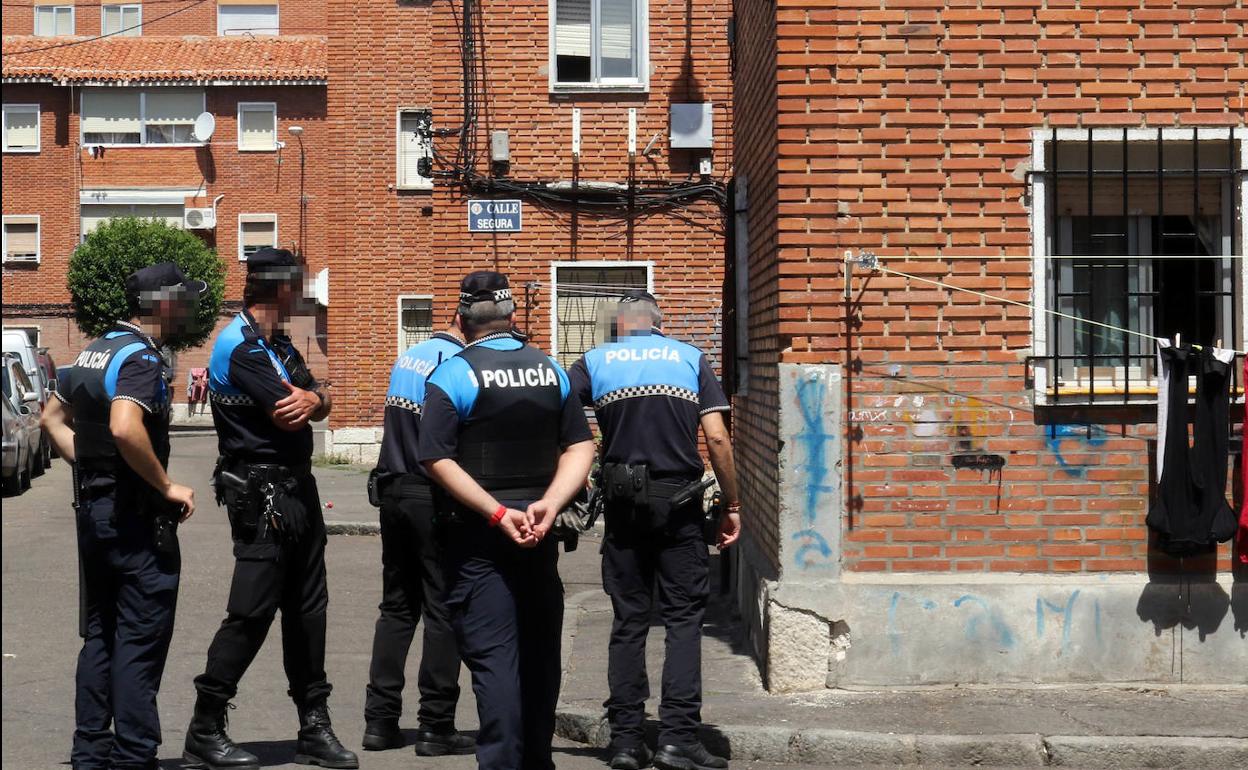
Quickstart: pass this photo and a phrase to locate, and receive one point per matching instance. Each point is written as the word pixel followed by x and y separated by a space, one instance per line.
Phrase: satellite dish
pixel 205 124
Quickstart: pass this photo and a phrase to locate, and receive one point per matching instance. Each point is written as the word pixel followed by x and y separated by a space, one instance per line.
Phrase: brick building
pixel 951 486
pixel 97 128
pixel 594 218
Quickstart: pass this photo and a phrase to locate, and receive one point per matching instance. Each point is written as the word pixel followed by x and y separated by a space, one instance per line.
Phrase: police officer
pixel 412 577
pixel 111 420
pixel 263 397
pixel 501 435
pixel 650 394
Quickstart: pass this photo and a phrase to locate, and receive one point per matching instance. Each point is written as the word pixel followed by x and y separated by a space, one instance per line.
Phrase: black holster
pixel 258 499
pixel 626 484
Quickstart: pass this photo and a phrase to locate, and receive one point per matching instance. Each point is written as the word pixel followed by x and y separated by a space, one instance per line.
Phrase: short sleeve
pixel 573 427
pixel 439 426
pixel 139 380
pixel 64 386
pixel 711 396
pixel 582 387
pixel 252 371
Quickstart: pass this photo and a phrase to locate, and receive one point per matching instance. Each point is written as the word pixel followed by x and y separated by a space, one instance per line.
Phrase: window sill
pixel 21 262
pixel 413 187
pixel 85 146
pixel 599 88
pixel 259 149
pixel 20 151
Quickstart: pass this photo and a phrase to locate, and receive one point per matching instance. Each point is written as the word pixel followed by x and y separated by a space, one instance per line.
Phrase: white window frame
pixel 398 319
pixel 238 125
pixel 4 239
pixel 73 19
pixel 4 131
pixel 425 183
pixel 1039 216
pixel 277 17
pixel 554 288
pixel 142 123
pixel 640 84
pixel 123 6
pixel 255 217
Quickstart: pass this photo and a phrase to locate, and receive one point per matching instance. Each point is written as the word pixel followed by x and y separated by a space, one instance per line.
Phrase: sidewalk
pixel 1072 726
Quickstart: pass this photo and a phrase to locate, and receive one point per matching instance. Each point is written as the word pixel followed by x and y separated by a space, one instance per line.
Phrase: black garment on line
pixel 1190 512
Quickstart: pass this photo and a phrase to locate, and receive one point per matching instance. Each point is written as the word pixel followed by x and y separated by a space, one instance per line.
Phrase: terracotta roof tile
pixel 166 58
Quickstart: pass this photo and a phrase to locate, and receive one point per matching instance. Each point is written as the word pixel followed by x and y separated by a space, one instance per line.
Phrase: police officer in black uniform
pixel 500 433
pixel 650 394
pixel 111 420
pixel 263 398
pixel 412 577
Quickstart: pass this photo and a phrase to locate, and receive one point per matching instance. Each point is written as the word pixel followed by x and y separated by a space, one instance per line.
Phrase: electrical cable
pixel 71 43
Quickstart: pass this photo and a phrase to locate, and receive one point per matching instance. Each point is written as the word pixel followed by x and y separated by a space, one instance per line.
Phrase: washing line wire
pixel 994 298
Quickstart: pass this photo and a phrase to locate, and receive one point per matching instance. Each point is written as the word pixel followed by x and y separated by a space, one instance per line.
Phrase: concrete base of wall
pixel 355 445
pixel 900 630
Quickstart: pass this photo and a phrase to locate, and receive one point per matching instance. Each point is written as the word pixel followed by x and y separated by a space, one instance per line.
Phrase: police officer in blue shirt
pixel 650 394
pixel 263 398
pixel 411 573
pixel 110 419
pixel 500 433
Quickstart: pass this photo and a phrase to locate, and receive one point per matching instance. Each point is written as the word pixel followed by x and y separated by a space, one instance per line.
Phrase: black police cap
pixel 484 286
pixel 277 264
pixel 162 275
pixel 638 295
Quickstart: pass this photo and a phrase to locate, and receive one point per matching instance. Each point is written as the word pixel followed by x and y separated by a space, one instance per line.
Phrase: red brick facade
pixel 905 127
pixel 388 56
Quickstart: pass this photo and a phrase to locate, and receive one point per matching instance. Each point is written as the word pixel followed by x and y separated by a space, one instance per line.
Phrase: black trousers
pixel 272 574
pixel 506 606
pixel 634 561
pixel 131 593
pixel 413 588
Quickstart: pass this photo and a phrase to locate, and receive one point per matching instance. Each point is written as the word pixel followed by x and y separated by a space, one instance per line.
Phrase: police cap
pixel 274 264
pixel 638 295
pixel 484 286
pixel 162 275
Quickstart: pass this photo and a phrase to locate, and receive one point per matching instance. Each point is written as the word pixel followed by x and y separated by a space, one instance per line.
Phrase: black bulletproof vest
pixel 94 381
pixel 510 441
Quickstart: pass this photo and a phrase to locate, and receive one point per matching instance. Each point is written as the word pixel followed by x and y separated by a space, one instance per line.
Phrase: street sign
pixel 490 216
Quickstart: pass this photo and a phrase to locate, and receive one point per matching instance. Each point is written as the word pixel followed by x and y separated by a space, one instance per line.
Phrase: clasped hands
pixel 529 527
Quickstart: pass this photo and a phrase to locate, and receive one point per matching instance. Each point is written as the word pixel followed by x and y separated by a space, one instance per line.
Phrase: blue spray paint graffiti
pixel 1004 636
pixel 813 439
pixel 1065 611
pixel 1092 435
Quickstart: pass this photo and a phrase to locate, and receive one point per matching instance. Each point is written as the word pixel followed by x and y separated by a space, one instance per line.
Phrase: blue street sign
pixel 488 216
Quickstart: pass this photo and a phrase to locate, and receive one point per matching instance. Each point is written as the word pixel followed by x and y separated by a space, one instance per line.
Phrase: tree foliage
pixel 99 266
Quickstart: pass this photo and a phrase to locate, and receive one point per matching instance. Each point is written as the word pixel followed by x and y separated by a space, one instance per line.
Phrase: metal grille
pixel 415 321
pixel 1141 236
pixel 586 295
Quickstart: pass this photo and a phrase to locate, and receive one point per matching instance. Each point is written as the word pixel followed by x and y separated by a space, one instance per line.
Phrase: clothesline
pixel 1048 257
pixel 1028 305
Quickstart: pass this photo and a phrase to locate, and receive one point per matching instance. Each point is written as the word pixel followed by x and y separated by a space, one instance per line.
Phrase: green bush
pixel 99 266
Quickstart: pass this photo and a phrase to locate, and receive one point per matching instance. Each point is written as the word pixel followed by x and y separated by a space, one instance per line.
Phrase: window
pixel 585 293
pixel 415 320
pixel 95 214
pixel 21 238
pixel 256 231
pixel 133 116
pixel 598 44
pixel 257 126
pixel 415 143
pixel 54 20
pixel 121 19
pixel 246 18
pixel 21 128
pixel 1138 236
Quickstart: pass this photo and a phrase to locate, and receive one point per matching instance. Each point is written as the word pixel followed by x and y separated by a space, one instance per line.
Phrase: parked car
pixel 47 365
pixel 18 343
pixel 21 430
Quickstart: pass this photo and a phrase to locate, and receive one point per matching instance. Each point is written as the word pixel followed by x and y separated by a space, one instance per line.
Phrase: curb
pixel 846 747
pixel 352 528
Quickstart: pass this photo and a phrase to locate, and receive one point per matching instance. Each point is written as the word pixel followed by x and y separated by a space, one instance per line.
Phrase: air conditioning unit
pixel 199 219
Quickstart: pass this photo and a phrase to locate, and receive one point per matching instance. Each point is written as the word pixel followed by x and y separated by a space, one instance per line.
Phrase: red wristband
pixel 498 515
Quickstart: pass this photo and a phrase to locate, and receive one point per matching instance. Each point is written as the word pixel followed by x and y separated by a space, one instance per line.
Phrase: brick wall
pixel 295 17
pixel 905 127
pixel 397 243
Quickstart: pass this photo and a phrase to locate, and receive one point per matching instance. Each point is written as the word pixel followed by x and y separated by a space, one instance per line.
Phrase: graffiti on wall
pixel 1066 441
pixel 813 441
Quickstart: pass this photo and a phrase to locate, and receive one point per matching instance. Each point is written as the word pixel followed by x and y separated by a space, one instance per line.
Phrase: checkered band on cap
pixel 228 399
pixel 500 295
pixel 403 403
pixel 639 391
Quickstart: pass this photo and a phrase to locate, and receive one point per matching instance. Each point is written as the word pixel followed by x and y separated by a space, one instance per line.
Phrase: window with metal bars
pixel 415 320
pixel 1140 241
pixel 585 296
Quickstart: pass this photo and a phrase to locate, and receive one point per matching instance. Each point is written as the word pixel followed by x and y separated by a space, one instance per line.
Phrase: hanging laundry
pixel 1191 512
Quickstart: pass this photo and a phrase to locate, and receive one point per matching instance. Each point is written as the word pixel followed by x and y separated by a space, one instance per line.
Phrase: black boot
pixel 208 745
pixel 317 744
pixel 691 757
pixel 432 743
pixel 382 734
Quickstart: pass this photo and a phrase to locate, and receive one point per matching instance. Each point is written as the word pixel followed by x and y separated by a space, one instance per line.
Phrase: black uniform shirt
pixel 245 381
pixel 141 377
pixel 649 394
pixel 406 398
pixel 451 392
